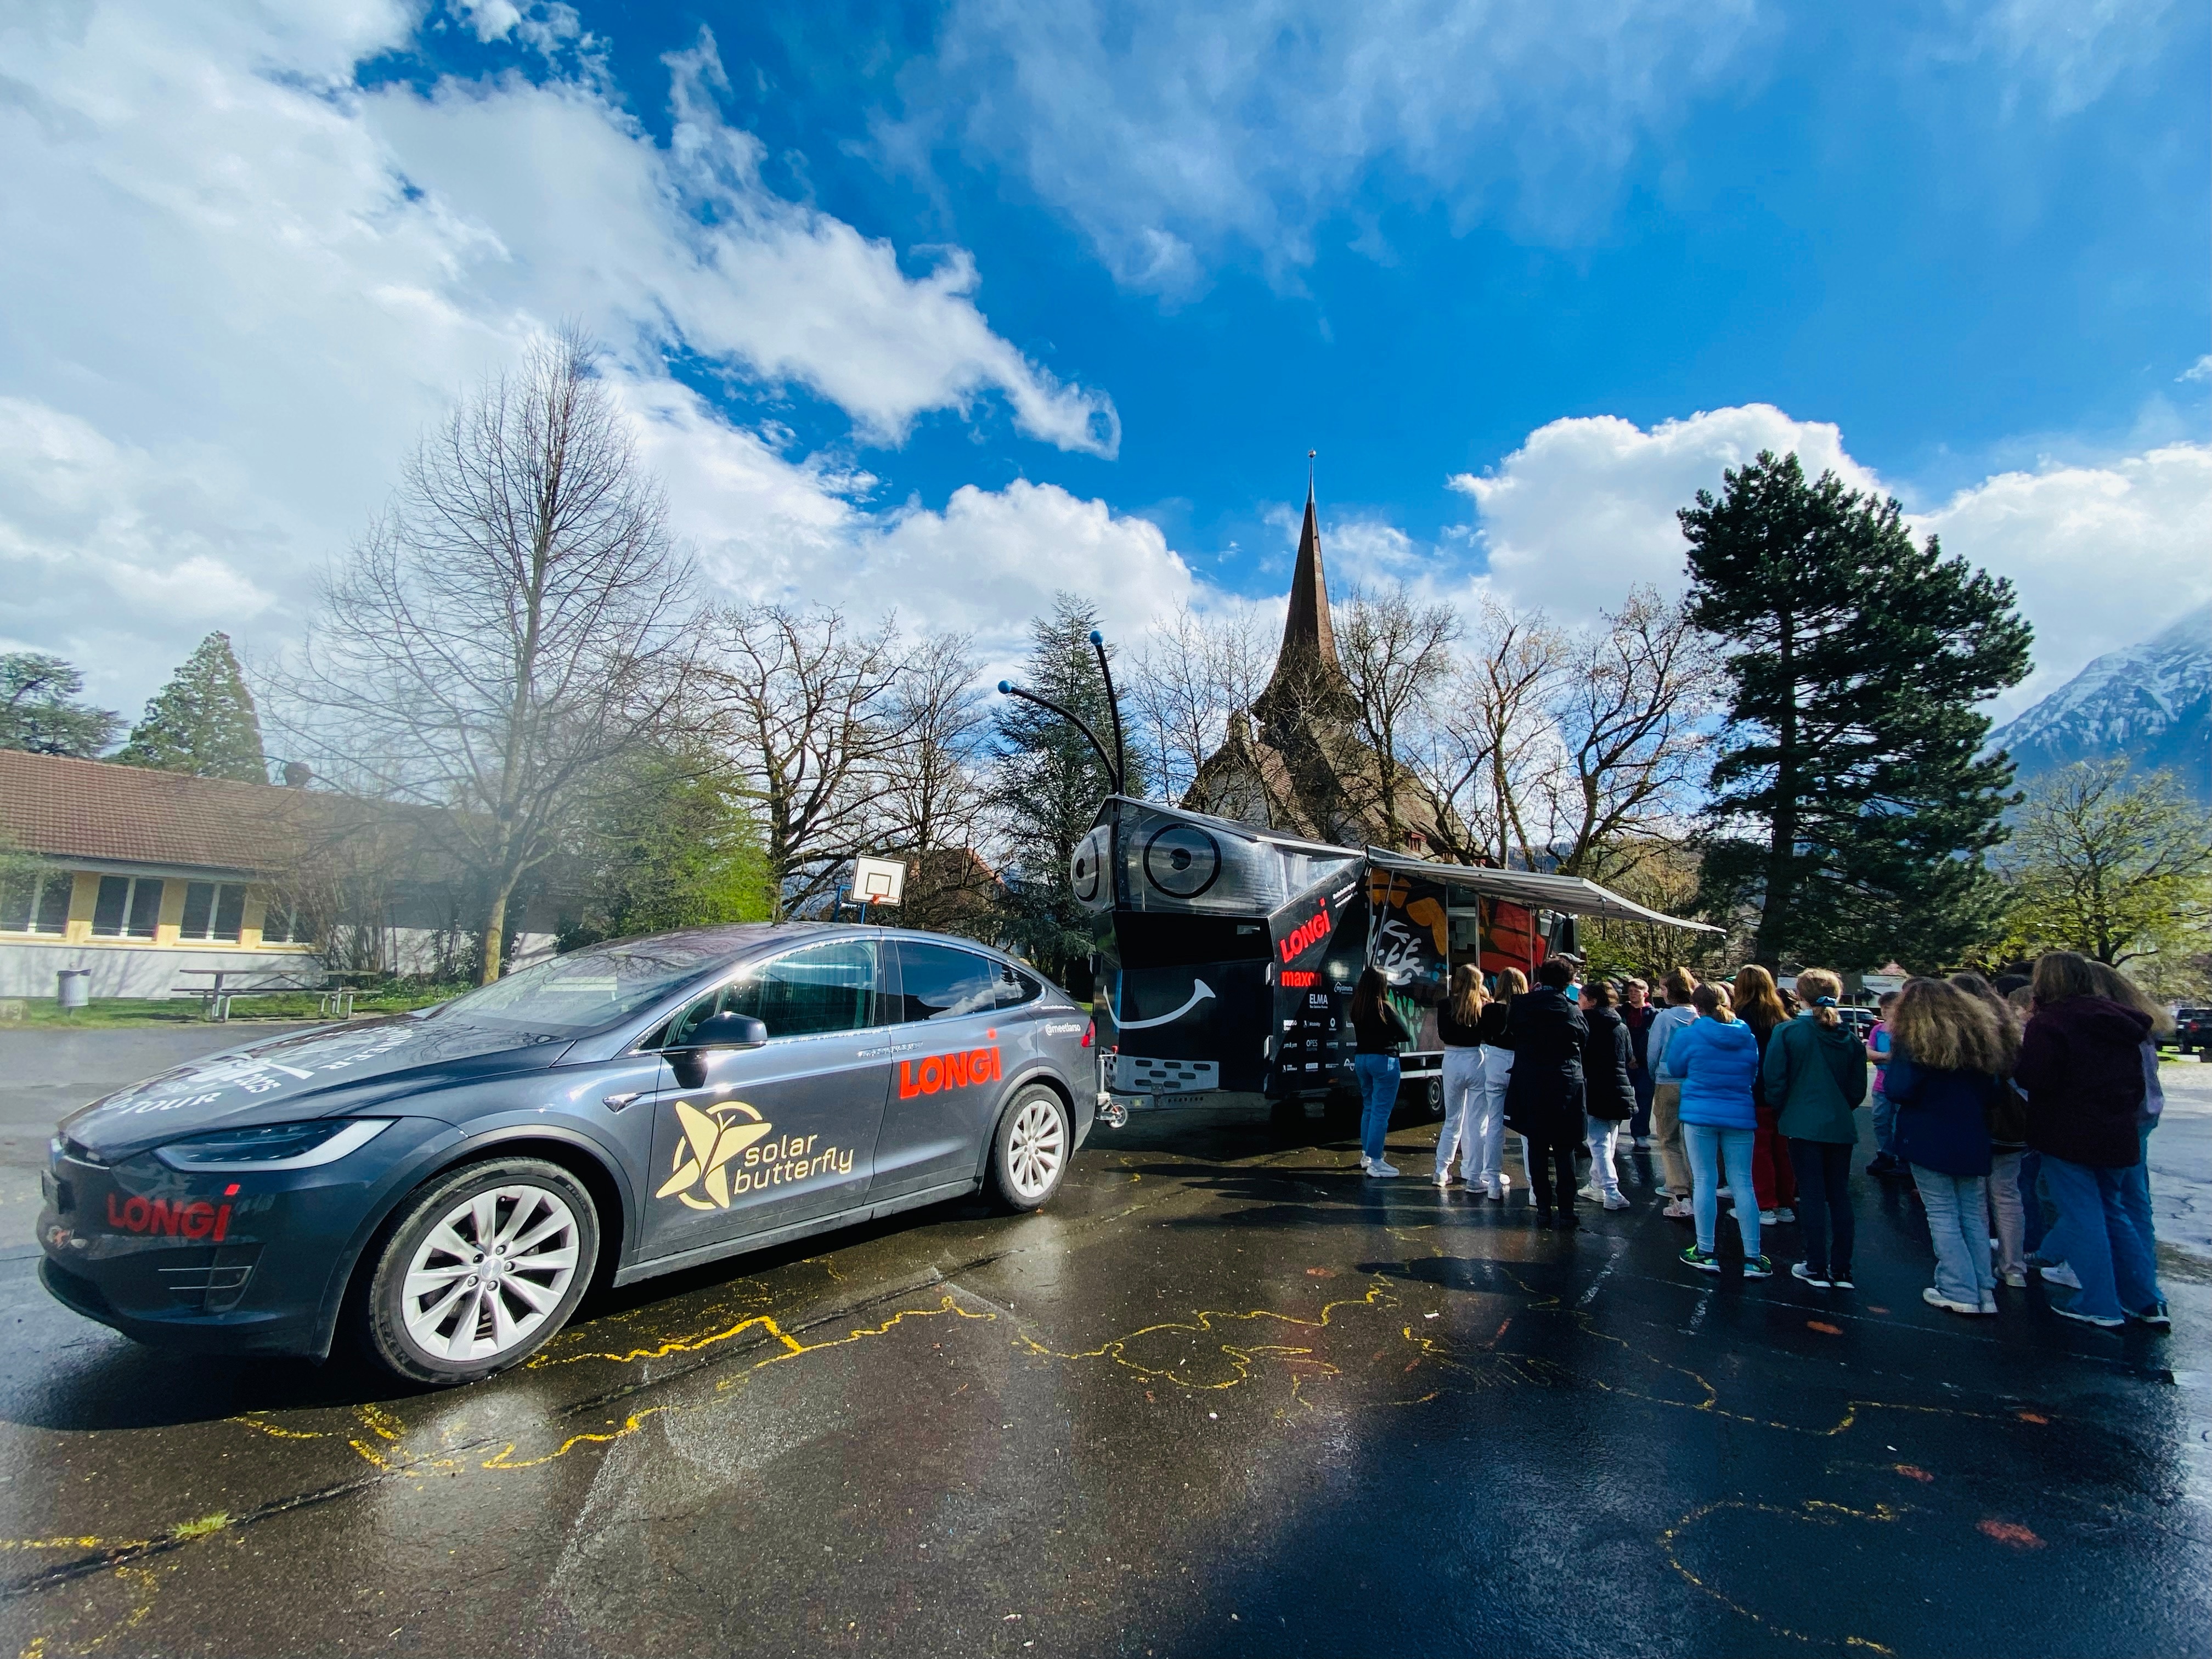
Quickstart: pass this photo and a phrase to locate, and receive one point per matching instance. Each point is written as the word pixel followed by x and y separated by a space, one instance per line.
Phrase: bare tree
pixel 807 710
pixel 1191 676
pixel 1396 653
pixel 1490 743
pixel 1628 707
pixel 515 619
pixel 929 793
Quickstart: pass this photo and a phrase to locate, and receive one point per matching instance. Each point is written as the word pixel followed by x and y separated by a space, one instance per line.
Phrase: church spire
pixel 1306 631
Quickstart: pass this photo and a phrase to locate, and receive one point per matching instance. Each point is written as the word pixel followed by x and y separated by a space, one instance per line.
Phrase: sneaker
pixel 1728 1191
pixel 1381 1171
pixel 1988 1304
pixel 2062 1274
pixel 1615 1202
pixel 1704 1261
pixel 2155 1318
pixel 1495 1186
pixel 1758 1267
pixel 1936 1298
pixel 1785 1213
pixel 1768 1217
pixel 1589 1194
pixel 2015 1278
pixel 2101 1323
pixel 1444 1181
pixel 1815 1276
pixel 1643 1143
pixel 1680 1210
pixel 1840 1278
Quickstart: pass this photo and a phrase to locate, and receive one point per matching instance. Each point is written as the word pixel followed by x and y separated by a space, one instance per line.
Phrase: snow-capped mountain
pixel 2152 703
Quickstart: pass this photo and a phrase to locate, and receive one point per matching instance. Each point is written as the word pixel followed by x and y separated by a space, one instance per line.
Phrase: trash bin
pixel 73 987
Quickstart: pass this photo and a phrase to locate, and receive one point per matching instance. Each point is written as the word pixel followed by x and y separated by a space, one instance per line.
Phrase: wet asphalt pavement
pixel 1224 1397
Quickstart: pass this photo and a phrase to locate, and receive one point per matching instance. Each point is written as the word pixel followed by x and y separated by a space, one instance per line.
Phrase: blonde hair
pixel 1681 984
pixel 1756 999
pixel 2008 1019
pixel 1511 983
pixel 1945 1029
pixel 2060 974
pixel 1813 984
pixel 1713 999
pixel 1466 992
pixel 2114 986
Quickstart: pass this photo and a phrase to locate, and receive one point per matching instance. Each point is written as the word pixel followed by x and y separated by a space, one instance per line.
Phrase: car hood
pixel 307 1074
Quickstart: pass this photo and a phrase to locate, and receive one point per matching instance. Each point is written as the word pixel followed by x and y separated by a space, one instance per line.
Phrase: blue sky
pixel 945 306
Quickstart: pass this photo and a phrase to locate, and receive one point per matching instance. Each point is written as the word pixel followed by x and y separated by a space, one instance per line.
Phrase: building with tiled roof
pixel 153 881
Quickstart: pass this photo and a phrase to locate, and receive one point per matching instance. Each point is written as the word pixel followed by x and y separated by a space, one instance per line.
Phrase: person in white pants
pixel 1489 1125
pixel 1457 1026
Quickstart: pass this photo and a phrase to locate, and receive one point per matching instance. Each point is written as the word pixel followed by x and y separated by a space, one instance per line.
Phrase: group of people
pixel 2021 1111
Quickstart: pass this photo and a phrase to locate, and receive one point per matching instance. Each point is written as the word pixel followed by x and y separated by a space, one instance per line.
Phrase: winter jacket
pixel 1544 1101
pixel 2081 1065
pixel 1383 1034
pixel 1674 1017
pixel 1606 1092
pixel 1489 1031
pixel 1815 1076
pixel 1452 1033
pixel 1757 1084
pixel 1715 1064
pixel 1942 1117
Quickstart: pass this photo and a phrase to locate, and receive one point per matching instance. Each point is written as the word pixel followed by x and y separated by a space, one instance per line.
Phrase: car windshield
pixel 586 992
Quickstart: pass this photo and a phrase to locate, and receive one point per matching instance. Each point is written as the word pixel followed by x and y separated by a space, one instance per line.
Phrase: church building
pixel 1296 761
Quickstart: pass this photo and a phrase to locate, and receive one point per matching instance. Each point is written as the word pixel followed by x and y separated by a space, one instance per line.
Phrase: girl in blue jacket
pixel 1715 1058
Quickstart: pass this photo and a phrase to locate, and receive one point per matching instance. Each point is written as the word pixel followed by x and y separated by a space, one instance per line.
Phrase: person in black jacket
pixel 1608 1093
pixel 1544 1101
pixel 1380 1032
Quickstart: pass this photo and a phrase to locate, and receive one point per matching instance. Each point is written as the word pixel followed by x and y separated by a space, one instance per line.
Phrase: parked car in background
pixel 2193 1030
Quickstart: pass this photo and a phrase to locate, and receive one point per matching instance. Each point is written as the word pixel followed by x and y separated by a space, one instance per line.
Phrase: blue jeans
pixel 1710 1148
pixel 1885 1125
pixel 2135 1199
pixel 1377 1075
pixel 1958 1226
pixel 2098 1239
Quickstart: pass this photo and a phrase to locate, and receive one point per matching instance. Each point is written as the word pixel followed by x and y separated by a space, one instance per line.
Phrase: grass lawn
pixel 109 1012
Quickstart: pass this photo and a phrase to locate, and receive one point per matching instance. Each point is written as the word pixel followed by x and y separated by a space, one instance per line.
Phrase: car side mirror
pixel 726 1031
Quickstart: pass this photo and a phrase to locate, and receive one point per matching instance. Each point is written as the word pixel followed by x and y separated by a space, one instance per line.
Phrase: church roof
pixel 1308 629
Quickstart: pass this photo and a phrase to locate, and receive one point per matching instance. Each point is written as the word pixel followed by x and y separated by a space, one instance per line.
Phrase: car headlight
pixel 274 1145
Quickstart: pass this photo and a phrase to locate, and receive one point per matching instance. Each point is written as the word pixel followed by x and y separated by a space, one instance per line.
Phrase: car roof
pixel 732 941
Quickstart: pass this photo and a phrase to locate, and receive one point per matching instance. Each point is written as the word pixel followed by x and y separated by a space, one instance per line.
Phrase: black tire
pixel 384 1325
pixel 1030 1150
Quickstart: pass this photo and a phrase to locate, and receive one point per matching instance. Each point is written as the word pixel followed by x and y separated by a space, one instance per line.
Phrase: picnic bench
pixel 334 1001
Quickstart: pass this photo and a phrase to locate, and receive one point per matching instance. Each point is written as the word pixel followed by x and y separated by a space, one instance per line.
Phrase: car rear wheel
pixel 1031 1149
pixel 482 1267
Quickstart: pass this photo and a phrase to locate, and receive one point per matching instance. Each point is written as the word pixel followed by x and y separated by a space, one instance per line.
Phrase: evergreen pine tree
pixel 1857 659
pixel 39 712
pixel 1050 782
pixel 203 722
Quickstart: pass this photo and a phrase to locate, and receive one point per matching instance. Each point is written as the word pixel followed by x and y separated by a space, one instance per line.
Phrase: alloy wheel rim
pixel 486 1279
pixel 1034 1149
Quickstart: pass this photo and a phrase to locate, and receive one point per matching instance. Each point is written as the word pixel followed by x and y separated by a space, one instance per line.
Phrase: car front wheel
pixel 1031 1149
pixel 482 1267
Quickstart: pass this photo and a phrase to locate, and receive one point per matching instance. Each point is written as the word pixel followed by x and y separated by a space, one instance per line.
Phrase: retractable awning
pixel 1569 894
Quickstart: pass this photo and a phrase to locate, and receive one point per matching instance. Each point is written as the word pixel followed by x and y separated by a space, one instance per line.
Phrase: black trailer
pixel 1227 954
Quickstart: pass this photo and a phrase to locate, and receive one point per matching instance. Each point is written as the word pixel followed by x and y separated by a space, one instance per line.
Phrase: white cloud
pixel 238 286
pixel 2068 52
pixel 2101 556
pixel 2199 370
pixel 1166 131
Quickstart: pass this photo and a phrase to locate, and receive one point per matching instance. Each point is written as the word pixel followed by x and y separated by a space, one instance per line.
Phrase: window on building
pixel 213 910
pixel 128 907
pixel 281 924
pixel 36 904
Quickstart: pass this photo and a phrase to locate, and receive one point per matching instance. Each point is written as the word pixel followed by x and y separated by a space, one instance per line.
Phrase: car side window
pixel 824 987
pixel 678 1030
pixel 941 981
pixel 1015 988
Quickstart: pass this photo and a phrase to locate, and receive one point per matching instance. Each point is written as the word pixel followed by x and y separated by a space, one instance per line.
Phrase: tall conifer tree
pixel 1857 659
pixel 1050 782
pixel 203 721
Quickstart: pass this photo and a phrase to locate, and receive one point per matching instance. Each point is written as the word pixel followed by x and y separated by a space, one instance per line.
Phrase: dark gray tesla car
pixel 446 1185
